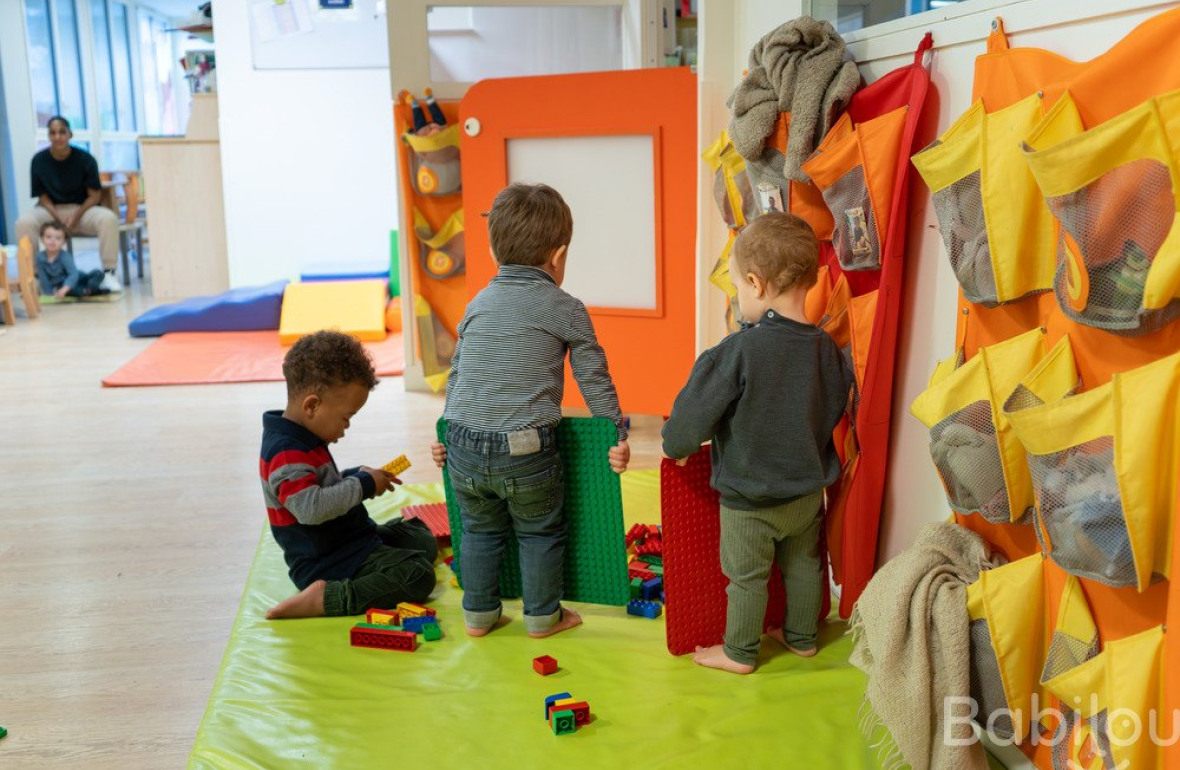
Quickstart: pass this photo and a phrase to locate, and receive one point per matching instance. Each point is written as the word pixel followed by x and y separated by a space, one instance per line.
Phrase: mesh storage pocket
pixel 854 238
pixel 967 456
pixel 436 172
pixel 1111 232
pixel 959 208
pixel 987 686
pixel 1082 512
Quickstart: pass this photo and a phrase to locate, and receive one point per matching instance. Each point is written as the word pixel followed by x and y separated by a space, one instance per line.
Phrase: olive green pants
pixel 751 542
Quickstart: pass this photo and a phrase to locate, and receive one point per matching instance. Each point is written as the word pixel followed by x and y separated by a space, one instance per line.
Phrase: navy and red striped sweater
pixel 315 511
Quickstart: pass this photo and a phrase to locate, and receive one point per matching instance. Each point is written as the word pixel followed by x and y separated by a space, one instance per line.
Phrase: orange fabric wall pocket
pixel 855 169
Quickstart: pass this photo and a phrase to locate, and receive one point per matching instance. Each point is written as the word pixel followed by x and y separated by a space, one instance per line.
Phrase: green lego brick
pixel 3 732
pixel 378 627
pixel 564 722
pixel 595 553
pixel 636 587
pixel 651 558
pixel 656 569
pixel 431 632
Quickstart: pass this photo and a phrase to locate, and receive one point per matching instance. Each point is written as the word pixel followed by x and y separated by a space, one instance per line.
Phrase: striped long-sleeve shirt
pixel 508 371
pixel 315 512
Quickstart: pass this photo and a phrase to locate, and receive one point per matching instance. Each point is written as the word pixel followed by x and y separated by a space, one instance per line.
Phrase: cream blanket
pixel 798 68
pixel 910 636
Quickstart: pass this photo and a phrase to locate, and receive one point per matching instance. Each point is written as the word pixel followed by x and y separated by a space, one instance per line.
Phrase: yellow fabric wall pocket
pixel 1104 466
pixel 996 227
pixel 1115 690
pixel 1115 191
pixel 735 200
pixel 442 254
pixel 854 167
pixel 978 457
pixel 1006 607
pixel 434 161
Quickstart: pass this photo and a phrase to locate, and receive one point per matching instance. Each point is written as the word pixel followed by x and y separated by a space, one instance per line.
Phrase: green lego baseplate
pixel 596 551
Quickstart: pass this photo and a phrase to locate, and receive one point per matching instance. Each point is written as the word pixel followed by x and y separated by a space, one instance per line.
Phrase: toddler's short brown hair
pixel 324 360
pixel 779 248
pixel 528 223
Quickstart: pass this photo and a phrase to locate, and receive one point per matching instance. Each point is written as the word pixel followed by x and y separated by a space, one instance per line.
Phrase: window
pixel 121 60
pixel 103 71
pixel 156 58
pixel 858 14
pixel 55 68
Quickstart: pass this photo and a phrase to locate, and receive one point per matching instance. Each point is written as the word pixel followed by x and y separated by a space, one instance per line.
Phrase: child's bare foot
pixel 308 603
pixel 568 620
pixel 777 635
pixel 715 657
pixel 500 621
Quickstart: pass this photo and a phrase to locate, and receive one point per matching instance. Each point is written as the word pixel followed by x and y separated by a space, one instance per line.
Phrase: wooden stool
pixel 26 278
pixel 6 311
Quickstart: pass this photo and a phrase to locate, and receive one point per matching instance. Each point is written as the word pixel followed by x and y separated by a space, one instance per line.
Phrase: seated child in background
pixel 56 272
pixel 504 404
pixel 340 559
pixel 768 398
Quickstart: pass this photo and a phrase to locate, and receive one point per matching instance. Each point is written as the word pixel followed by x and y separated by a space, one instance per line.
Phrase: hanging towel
pixel 910 632
pixel 798 68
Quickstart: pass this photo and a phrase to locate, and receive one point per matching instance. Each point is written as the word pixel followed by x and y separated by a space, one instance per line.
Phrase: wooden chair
pixel 26 278
pixel 122 193
pixel 6 311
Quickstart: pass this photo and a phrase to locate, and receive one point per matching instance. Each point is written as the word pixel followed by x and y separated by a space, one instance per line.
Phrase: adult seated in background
pixel 66 184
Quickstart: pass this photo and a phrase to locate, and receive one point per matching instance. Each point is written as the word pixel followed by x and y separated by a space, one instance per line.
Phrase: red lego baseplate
pixel 694 586
pixel 433 515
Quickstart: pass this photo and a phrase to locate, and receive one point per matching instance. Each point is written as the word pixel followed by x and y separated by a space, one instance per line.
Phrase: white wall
pixel 307 159
pixel 1079 29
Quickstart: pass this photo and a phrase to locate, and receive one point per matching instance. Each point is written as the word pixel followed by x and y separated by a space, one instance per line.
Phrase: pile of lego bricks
pixel 645 570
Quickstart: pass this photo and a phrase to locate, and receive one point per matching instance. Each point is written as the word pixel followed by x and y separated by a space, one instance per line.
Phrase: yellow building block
pixel 353 307
pixel 397 465
pixel 408 610
pixel 382 617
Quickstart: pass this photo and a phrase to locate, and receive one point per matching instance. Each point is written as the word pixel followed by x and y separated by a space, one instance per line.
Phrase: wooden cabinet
pixel 186 215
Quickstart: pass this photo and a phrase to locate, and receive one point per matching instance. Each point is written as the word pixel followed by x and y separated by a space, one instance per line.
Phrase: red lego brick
pixel 433 515
pixel 638 569
pixel 581 711
pixel 380 639
pixel 544 665
pixel 693 581
pixel 636 533
pixel 650 546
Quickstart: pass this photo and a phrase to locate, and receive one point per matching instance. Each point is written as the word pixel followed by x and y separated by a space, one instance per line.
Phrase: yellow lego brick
pixel 397 465
pixel 378 617
pixel 408 610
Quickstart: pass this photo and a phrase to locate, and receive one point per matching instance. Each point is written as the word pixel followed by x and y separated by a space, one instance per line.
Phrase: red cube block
pixel 544 665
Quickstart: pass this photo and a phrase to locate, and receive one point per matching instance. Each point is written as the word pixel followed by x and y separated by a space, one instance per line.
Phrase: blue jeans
pixel 500 493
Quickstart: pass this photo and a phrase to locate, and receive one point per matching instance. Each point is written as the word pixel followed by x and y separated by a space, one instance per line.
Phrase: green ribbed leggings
pixel 751 541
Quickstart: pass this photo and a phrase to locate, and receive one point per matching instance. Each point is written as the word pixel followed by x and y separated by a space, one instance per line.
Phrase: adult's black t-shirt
pixel 65 181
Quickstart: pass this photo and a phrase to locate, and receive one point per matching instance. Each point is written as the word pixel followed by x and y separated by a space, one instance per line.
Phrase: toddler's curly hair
pixel 327 359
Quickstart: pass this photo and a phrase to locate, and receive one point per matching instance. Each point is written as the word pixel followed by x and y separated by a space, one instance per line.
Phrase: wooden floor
pixel 128 518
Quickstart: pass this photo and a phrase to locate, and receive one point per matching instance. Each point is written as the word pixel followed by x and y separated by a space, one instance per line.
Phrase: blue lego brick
pixel 550 699
pixel 652 588
pixel 416 624
pixel 644 609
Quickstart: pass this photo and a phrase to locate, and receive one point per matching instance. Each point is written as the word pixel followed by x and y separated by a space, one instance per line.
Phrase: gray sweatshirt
pixel 768 397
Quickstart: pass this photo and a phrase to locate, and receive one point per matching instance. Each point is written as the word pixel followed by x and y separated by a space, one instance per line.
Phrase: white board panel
pixel 300 34
pixel 609 184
